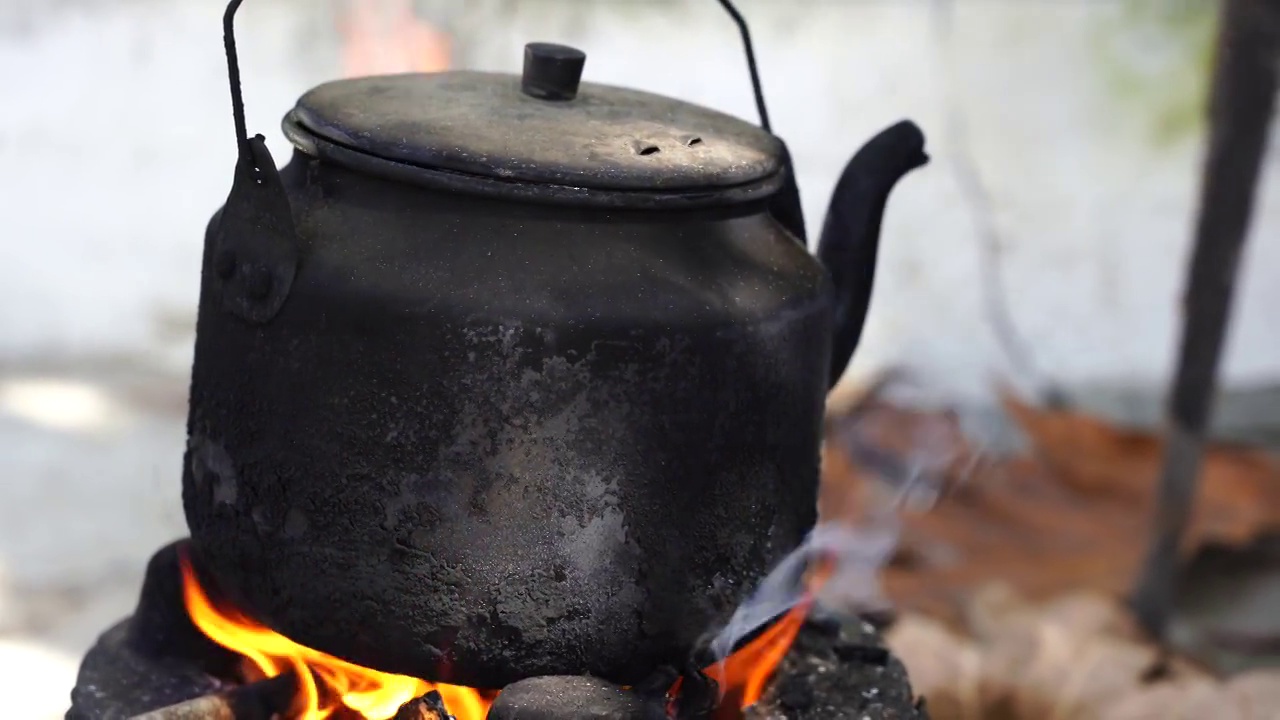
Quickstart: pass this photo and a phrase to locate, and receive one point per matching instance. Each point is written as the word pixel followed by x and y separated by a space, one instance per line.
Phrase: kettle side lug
pixel 255 253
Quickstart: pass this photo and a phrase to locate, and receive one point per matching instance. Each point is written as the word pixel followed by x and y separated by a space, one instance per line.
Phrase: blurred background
pixel 1046 241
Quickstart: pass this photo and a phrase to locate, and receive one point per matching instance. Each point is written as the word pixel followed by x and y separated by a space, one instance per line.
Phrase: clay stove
pixel 507 390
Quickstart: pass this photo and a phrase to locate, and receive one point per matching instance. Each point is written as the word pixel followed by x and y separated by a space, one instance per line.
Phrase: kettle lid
pixel 543 128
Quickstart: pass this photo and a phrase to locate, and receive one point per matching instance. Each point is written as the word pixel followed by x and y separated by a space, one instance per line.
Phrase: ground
pixel 92 486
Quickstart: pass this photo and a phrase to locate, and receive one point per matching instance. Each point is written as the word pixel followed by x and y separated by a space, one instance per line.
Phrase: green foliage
pixel 1157 57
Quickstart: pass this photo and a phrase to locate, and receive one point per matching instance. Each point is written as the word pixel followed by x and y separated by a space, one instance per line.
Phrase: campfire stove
pixel 503 381
pixel 158 665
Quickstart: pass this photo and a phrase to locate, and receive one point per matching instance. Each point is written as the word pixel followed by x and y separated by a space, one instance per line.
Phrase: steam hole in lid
pixel 695 140
pixel 643 147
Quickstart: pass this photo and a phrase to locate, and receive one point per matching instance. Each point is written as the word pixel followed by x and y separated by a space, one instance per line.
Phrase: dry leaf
pixel 944 667
pixel 1072 513
pixel 1182 700
pixel 1255 695
pixel 997 607
pixel 1250 696
pixel 1239 492
pixel 1073 658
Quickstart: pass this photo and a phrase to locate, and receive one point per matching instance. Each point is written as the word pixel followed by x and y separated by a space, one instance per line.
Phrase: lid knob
pixel 552 72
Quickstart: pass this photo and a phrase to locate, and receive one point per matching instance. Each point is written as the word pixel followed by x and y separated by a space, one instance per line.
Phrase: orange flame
pixel 371 694
pixel 744 675
pixel 375 695
pixel 382 37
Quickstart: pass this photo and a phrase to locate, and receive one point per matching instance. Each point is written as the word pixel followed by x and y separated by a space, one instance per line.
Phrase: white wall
pixel 116 145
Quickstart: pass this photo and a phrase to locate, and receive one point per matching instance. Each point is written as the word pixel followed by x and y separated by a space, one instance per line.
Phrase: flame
pixel 382 37
pixel 744 675
pixel 373 695
pixel 326 684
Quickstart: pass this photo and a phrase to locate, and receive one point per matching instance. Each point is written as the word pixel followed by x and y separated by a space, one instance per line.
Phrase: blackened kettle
pixel 504 376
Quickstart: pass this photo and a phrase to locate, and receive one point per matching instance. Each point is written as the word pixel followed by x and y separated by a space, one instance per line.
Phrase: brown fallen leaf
pixel 1239 495
pixel 1077 657
pixel 1071 513
pixel 945 667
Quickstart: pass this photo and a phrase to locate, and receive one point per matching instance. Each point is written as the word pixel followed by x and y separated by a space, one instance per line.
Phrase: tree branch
pixel 1242 105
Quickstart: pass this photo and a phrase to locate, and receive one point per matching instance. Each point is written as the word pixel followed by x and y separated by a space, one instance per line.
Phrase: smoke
pixel 882 458
pixel 855 556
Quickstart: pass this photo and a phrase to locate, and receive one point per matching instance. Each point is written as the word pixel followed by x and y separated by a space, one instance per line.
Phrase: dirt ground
pixel 91 462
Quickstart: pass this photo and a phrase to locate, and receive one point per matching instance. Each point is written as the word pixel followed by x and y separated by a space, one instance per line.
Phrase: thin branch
pixel 1241 109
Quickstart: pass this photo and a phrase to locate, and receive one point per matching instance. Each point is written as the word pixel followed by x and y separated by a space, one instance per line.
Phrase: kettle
pixel 515 375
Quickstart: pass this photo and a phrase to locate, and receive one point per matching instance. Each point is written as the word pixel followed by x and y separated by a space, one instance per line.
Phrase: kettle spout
pixel 851 233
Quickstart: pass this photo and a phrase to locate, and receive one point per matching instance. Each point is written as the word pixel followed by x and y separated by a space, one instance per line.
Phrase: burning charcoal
pixel 256 701
pixel 658 684
pixel 428 707
pixel 823 623
pixel 816 637
pixel 795 693
pixel 880 620
pixel 573 698
pixel 845 674
pixel 699 694
pixel 861 653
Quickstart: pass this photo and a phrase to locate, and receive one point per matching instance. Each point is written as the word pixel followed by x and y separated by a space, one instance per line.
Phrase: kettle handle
pixel 756 87
pixel 233 76
pixel 785 205
pixel 254 257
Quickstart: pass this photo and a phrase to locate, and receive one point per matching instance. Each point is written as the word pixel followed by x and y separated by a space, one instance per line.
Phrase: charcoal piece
pixel 881 619
pixel 699 694
pixel 263 700
pixel 823 623
pixel 428 707
pixel 658 684
pixel 794 692
pixel 572 698
pixel 815 683
pixel 860 653
pixel 817 634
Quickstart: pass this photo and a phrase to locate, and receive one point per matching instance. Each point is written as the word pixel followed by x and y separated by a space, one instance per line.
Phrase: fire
pixel 386 36
pixel 327 684
pixel 373 695
pixel 745 674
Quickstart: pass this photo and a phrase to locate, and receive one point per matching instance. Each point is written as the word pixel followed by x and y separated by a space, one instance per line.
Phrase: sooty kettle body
pixel 514 375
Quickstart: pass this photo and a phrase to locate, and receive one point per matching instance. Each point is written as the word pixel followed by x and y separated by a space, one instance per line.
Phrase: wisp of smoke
pixel 854 556
pixel 854 551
